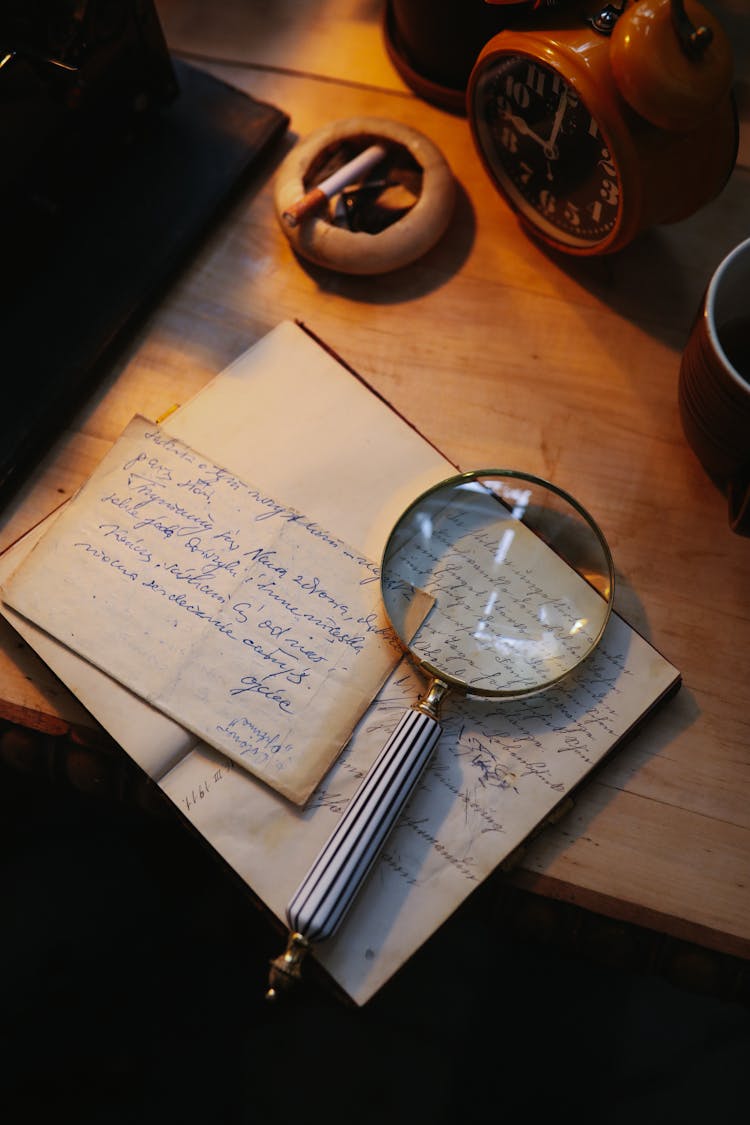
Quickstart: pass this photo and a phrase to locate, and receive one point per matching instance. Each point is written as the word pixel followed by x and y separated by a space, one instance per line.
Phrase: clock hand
pixel 551 150
pixel 523 127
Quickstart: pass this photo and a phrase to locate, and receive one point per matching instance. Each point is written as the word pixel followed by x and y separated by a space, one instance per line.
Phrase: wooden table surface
pixel 502 354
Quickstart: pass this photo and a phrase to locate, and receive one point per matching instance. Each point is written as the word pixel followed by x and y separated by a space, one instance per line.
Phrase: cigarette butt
pixel 349 174
pixel 310 202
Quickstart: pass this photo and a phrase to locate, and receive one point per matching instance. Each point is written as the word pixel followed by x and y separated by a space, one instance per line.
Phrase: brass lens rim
pixel 479 475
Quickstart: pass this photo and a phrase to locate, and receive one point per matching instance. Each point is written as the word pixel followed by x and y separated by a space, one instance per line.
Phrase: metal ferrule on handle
pixel 328 890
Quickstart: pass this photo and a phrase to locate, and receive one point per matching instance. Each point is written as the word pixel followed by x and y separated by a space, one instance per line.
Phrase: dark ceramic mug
pixel 714 383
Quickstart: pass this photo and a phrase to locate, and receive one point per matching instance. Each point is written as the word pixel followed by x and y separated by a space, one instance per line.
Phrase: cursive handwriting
pixel 240 617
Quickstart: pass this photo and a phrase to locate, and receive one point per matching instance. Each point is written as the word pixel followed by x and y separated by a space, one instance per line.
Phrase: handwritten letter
pixel 235 615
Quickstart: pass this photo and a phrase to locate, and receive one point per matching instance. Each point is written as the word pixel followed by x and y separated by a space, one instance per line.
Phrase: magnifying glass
pixel 499 585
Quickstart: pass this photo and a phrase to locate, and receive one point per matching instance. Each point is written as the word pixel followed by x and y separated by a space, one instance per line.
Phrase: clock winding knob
pixel 671 86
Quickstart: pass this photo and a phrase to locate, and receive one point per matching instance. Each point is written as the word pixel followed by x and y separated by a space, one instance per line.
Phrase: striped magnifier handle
pixel 331 885
pixel 328 890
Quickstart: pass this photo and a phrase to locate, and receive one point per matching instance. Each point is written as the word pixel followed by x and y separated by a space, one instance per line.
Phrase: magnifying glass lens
pixel 520 576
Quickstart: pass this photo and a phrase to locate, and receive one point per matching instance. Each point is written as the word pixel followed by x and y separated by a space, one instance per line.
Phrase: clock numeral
pixel 605 162
pixel 536 79
pixel 609 192
pixel 593 128
pixel 509 139
pixel 517 91
pixel 573 98
pixel 572 214
pixel 525 172
pixel 595 210
pixel 547 202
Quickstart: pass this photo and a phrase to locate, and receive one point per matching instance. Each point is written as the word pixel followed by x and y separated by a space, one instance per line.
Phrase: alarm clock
pixel 564 143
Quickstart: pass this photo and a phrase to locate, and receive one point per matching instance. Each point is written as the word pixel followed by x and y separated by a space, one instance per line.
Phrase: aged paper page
pixel 347 460
pixel 238 617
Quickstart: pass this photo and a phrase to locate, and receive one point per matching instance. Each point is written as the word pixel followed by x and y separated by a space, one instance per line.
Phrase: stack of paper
pixel 290 426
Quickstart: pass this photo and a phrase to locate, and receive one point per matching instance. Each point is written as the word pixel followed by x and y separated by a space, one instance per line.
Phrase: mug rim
pixel 743 247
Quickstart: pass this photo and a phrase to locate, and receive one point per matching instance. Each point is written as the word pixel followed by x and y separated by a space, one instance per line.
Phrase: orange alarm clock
pixel 596 128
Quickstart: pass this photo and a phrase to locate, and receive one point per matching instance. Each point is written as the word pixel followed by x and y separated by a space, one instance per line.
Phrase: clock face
pixel 545 150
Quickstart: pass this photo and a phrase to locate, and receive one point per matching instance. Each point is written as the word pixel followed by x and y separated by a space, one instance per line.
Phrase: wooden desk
pixel 503 355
